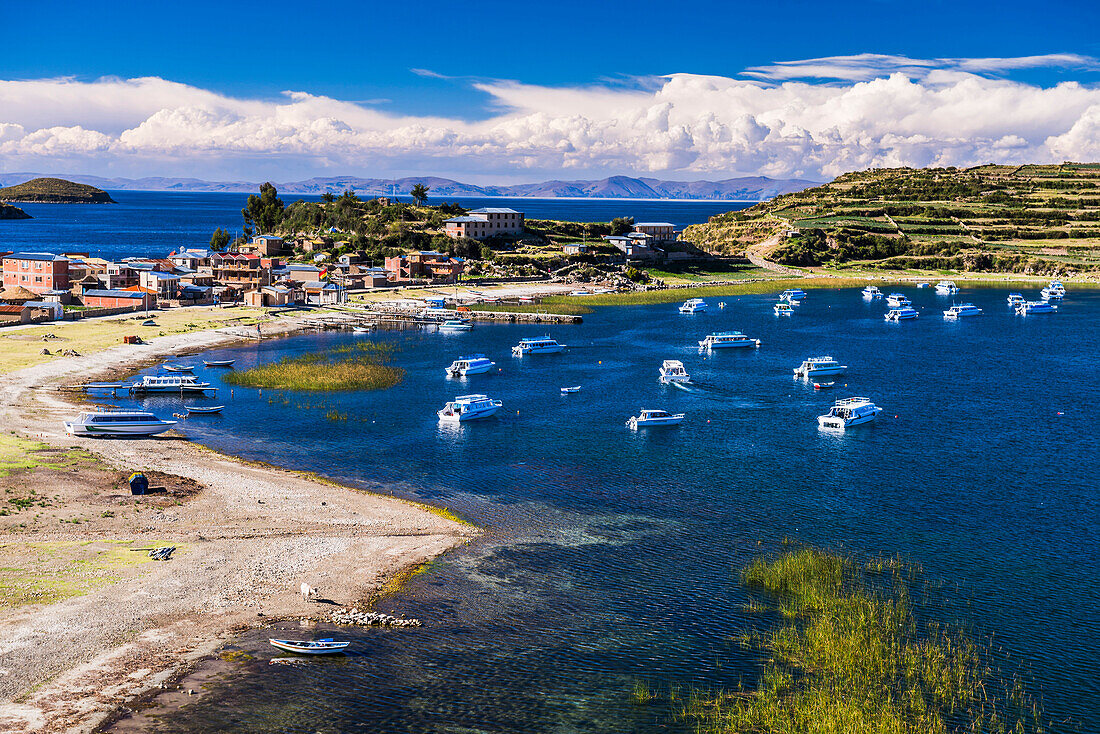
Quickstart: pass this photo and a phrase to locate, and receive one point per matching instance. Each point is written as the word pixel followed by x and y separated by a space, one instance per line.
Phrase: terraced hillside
pixel 1042 219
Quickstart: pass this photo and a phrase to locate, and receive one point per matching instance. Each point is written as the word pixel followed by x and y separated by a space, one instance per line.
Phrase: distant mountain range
pixel 748 188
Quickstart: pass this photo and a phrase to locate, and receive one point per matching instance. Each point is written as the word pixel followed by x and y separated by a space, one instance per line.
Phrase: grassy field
pixel 21 348
pixel 849 655
pixel 19 454
pixel 362 366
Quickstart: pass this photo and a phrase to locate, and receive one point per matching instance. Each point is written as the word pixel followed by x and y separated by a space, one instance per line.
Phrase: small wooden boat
pixel 574 388
pixel 327 646
pixel 177 368
pixel 204 409
pixel 218 362
pixel 148 322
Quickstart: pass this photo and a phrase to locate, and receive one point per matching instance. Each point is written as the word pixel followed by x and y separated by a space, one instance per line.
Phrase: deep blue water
pixel 611 555
pixel 153 223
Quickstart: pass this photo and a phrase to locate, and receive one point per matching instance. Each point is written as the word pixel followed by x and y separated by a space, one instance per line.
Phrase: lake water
pixel 611 555
pixel 154 223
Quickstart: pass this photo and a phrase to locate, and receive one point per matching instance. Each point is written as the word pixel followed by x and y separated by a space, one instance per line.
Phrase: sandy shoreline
pixel 246 542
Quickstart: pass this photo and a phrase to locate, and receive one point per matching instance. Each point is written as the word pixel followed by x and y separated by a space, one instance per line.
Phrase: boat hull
pixel 330 648
pixel 135 429
pixel 471 415
pixel 672 420
pixel 821 372
pixel 475 370
pixel 747 343
pixel 538 350
pixel 828 421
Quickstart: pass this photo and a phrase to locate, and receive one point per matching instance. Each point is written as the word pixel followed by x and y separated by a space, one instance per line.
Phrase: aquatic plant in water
pixel 851 657
pixel 362 366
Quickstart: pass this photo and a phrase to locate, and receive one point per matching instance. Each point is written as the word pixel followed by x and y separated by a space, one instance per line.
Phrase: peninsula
pixel 54 191
pixel 7 211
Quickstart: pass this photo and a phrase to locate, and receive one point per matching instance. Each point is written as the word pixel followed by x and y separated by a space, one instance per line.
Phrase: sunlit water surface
pixel 612 555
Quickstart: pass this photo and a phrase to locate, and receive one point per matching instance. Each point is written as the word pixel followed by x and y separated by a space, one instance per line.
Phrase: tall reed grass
pixel 362 366
pixel 672 295
pixel 850 657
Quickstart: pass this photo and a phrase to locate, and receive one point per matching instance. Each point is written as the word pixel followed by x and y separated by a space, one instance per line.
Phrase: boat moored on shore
pixel 849 412
pixel 154 384
pixel 115 423
pixel 946 287
pixel 455 325
pixel 327 646
pixel 218 362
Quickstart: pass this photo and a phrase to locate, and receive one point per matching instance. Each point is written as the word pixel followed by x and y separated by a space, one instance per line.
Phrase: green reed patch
pixel 850 657
pixel 361 366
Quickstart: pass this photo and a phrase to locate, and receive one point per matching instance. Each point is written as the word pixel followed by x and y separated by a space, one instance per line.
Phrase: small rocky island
pixel 54 191
pixel 7 211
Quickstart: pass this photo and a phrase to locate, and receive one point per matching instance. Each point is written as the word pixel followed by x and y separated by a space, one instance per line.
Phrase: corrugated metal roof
pixel 494 210
pixel 41 256
pixel 113 293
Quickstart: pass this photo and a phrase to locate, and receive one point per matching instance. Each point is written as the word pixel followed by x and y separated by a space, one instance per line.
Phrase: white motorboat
pixel 871 291
pixel 721 304
pixel 1015 299
pixel 1035 307
pixel 327 646
pixel 469 408
pixel 728 340
pixel 1051 294
pixel 537 345
pixel 849 412
pixel 455 325
pixel 898 300
pixel 793 294
pixel 783 309
pixel 150 384
pixel 570 390
pixel 117 423
pixel 693 306
pixel 923 285
pixel 814 367
pixel 647 418
pixel 946 287
pixel 475 364
pixel 962 310
pixel 901 314
pixel 672 370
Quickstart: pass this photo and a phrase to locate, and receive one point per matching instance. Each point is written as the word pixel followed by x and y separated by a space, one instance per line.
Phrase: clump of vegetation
pixel 363 366
pixel 642 693
pixel 851 657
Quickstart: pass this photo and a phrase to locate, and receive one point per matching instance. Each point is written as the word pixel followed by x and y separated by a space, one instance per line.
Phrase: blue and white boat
pixel 815 367
pixel 946 288
pixel 901 314
pixel 1035 307
pixel 962 310
pixel 898 300
pixel 475 364
pixel 537 345
pixel 728 340
pixel 114 423
pixel 849 412
pixel 672 370
pixel 783 309
pixel 648 418
pixel 871 292
pixel 693 306
pixel 327 646
pixel 923 285
pixel 469 408
pixel 1015 299
pixel 182 384
pixel 455 325
pixel 1051 294
pixel 793 294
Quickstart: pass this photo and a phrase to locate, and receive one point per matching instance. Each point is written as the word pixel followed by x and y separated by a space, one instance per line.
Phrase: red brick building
pixel 425 265
pixel 135 299
pixel 36 271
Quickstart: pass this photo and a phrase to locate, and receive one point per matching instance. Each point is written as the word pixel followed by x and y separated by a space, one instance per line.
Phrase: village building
pixel 38 272
pixel 323 293
pixel 659 231
pixel 136 299
pixel 164 285
pixel 425 264
pixel 574 249
pixel 239 271
pixel 483 223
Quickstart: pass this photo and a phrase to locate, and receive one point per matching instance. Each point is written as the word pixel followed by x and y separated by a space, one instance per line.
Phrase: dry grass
pixel 359 367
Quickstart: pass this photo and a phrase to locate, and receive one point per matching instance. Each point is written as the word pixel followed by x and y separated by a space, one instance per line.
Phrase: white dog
pixel 308 592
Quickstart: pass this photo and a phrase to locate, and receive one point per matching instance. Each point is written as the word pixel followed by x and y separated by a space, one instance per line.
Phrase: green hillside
pixel 1039 219
pixel 55 191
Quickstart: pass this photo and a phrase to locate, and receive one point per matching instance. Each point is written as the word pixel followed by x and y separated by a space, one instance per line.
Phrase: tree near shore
pixel 264 212
pixel 419 193
pixel 219 240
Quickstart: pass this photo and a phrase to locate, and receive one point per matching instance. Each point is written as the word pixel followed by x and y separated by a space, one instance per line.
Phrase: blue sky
pixel 368 55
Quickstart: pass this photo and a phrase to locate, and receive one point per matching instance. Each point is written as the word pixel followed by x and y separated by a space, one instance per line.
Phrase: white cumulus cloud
pixel 780 120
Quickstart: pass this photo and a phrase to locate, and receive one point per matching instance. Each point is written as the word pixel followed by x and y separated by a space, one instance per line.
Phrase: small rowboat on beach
pixel 327 646
pixel 218 362
pixel 204 409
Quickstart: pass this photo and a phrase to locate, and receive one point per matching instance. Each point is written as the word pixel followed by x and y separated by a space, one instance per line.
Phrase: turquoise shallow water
pixel 611 555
